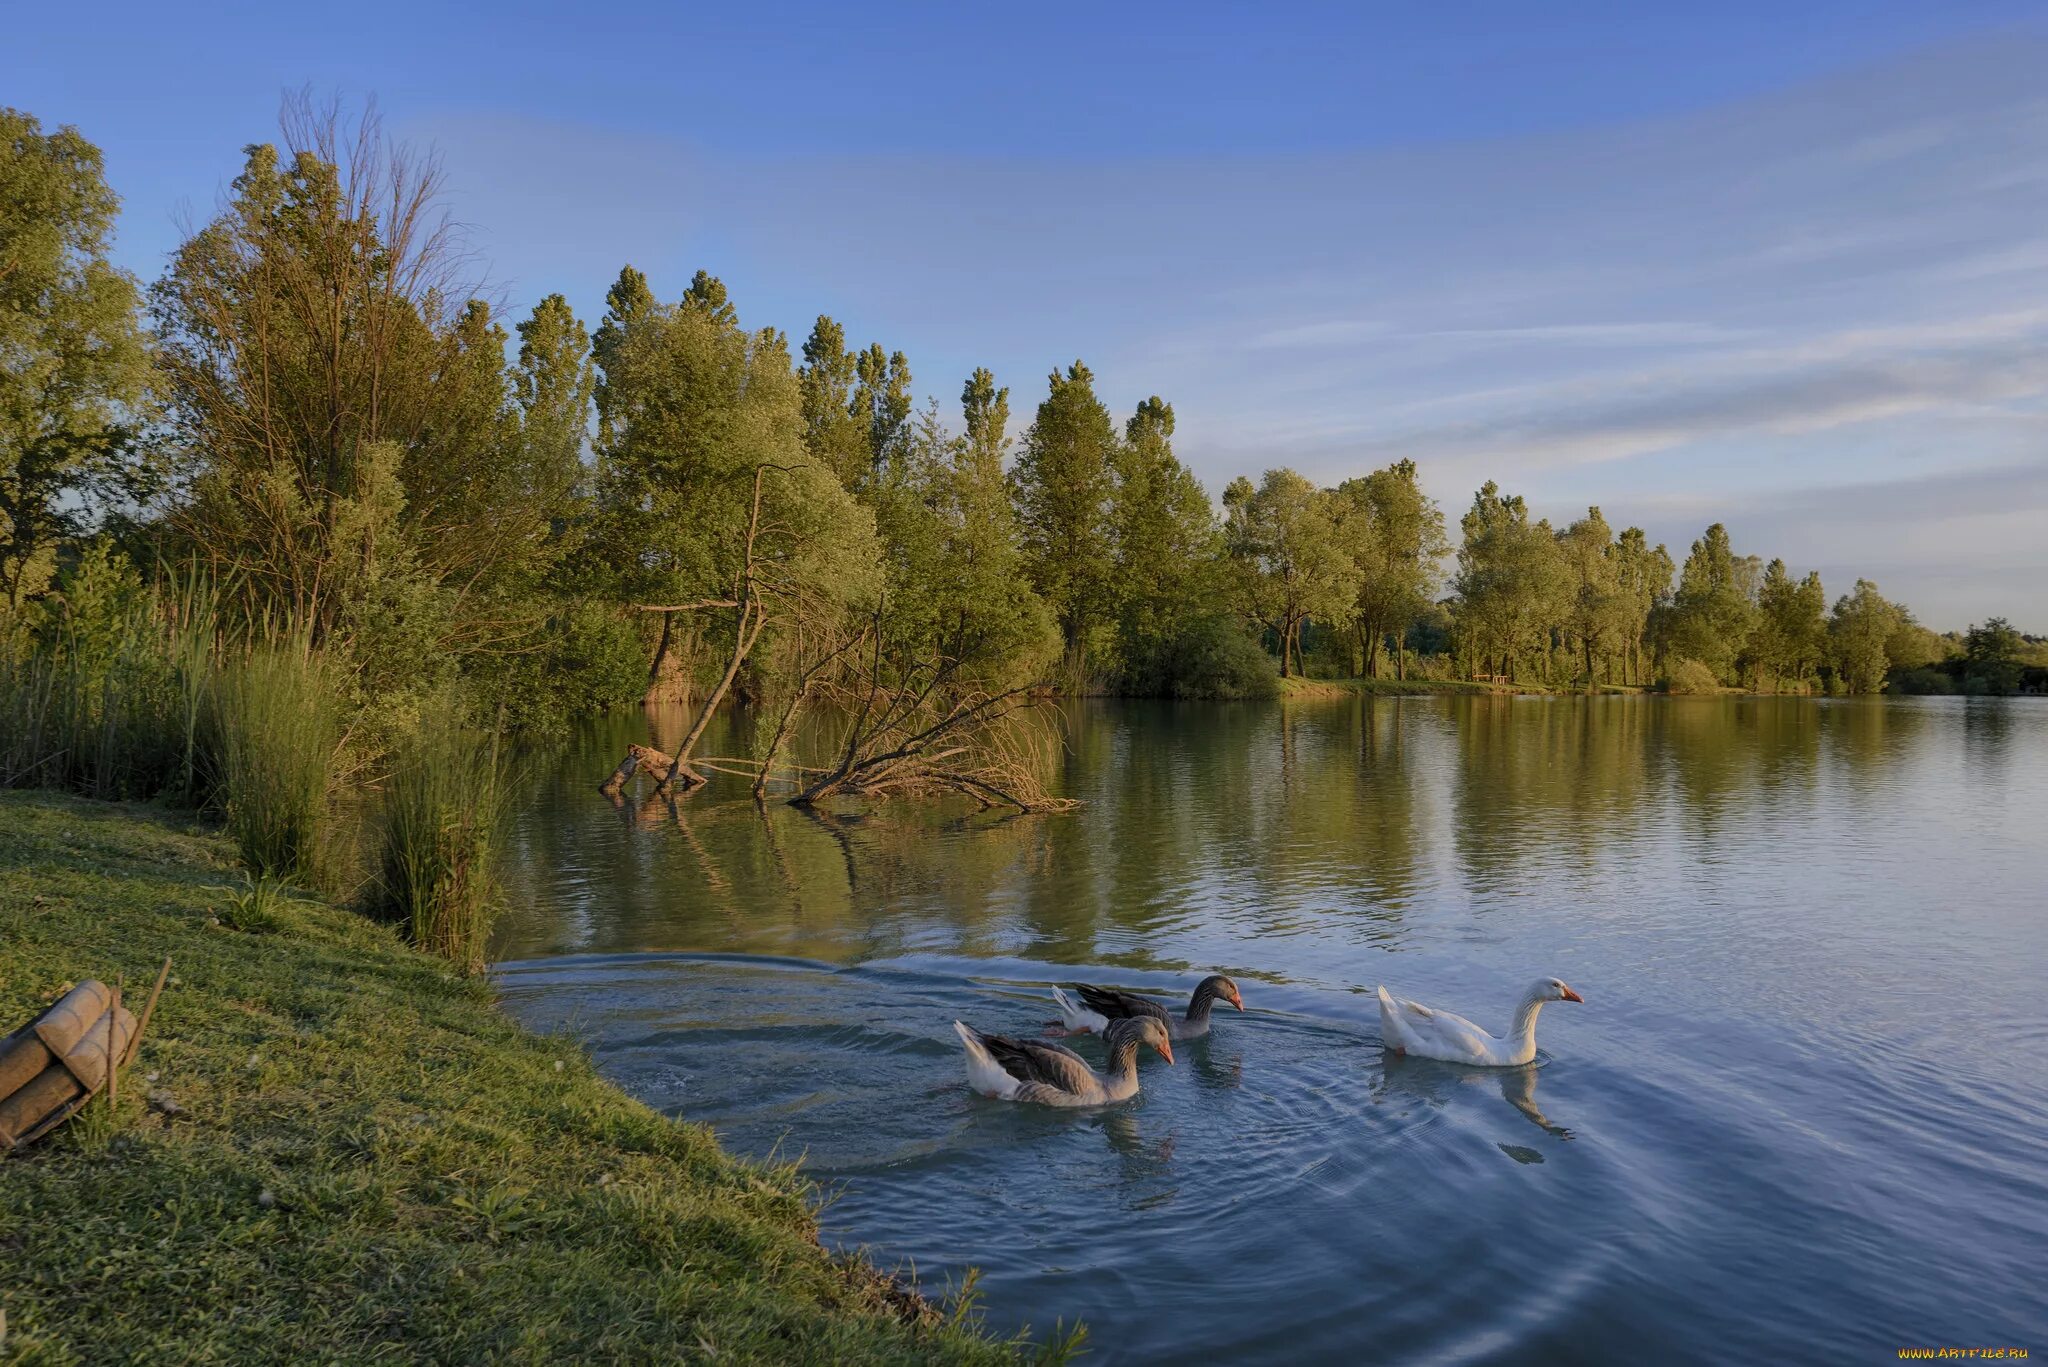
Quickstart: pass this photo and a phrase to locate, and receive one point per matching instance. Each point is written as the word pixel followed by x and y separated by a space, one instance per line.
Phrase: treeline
pixel 315 412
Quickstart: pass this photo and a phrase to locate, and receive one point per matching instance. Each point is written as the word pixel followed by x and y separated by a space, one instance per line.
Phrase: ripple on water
pixel 1281 1174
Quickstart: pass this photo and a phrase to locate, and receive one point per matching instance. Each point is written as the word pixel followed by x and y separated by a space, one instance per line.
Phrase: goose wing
pixel 1115 1005
pixel 1034 1061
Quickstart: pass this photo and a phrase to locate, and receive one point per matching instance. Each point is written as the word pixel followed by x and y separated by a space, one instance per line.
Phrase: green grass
pixel 371 1162
pixel 1392 688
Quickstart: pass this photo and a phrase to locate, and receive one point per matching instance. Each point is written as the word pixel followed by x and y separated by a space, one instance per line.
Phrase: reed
pixel 438 835
pixel 106 693
pixel 273 729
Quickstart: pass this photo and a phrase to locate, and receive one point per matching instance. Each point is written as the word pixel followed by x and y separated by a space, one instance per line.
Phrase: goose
pixel 1101 1005
pixel 1411 1028
pixel 1053 1075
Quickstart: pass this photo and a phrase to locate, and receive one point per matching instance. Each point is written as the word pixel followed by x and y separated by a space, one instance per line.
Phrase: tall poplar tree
pixel 1062 485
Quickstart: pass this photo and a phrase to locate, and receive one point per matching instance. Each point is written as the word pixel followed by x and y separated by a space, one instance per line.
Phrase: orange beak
pixel 1166 1052
pixel 1572 996
pixel 1237 1001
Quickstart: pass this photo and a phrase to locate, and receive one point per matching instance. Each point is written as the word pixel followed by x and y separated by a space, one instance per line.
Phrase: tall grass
pixel 438 835
pixel 275 727
pixel 106 694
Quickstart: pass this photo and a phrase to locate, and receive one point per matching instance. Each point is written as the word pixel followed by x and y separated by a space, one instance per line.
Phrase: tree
pixel 1394 534
pixel 629 301
pixel 1992 657
pixel 1165 548
pixel 1643 582
pixel 881 402
pixel 1281 536
pixel 1511 583
pixel 341 409
pixel 833 432
pixel 1596 609
pixel 1858 629
pixel 1790 636
pixel 552 387
pixel 1714 611
pixel 1062 487
pixel 75 362
pixel 711 503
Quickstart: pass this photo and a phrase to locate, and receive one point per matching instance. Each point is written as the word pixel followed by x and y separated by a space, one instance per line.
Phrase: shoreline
pixel 331 1138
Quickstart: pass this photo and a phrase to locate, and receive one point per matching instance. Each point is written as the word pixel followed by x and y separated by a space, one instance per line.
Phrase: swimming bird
pixel 1411 1028
pixel 1053 1075
pixel 1101 1005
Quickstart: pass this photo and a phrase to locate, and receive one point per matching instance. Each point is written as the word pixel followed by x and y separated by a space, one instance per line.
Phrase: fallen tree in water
pixel 913 730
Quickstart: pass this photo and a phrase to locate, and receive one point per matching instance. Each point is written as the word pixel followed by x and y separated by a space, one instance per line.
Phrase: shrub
pixel 1209 658
pixel 275 728
pixel 1916 682
pixel 1690 676
pixel 437 840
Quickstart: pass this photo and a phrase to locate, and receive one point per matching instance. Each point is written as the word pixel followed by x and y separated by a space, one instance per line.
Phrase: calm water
pixel 1803 1115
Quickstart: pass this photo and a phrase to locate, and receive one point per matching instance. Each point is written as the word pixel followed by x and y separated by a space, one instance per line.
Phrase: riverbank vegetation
pixel 317 411
pixel 341 1143
pixel 310 497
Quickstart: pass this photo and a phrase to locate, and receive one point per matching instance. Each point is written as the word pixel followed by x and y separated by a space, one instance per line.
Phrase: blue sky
pixel 1785 266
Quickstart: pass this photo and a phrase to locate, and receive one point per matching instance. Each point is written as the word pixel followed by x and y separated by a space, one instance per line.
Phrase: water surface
pixel 1801 1115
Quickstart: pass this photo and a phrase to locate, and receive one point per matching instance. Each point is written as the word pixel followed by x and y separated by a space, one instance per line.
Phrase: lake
pixel 1801 1116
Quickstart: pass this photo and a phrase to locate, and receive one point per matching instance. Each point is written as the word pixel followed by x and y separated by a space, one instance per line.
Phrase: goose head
pixel 1553 990
pixel 1216 985
pixel 1143 1030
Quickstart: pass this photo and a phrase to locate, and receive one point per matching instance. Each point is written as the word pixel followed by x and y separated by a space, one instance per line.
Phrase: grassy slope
pixel 442 1185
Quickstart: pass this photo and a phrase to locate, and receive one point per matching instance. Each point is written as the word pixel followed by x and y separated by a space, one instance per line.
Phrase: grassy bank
pixel 1391 688
pixel 367 1160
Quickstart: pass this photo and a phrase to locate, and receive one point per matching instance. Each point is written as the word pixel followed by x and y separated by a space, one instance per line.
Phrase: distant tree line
pixel 317 408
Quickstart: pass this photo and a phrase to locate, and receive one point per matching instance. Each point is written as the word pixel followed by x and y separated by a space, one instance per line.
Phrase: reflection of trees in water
pixel 1987 734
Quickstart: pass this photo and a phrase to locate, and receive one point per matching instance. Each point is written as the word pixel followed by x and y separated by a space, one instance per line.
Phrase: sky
pixel 1782 266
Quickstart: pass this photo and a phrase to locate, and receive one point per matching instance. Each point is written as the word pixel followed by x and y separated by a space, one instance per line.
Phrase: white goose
pixel 1411 1028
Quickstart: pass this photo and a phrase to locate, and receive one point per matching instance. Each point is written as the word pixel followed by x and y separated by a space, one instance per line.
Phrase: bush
pixel 438 836
pixel 1690 676
pixel 1922 682
pixel 1209 658
pixel 275 730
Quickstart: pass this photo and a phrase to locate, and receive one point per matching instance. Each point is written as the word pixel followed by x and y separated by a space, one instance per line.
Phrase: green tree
pixel 1642 576
pixel 1394 534
pixel 552 387
pixel 73 363
pixel 1993 655
pixel 352 453
pixel 1062 486
pixel 1281 536
pixel 1859 628
pixel 1597 614
pixel 1166 548
pixel 1511 584
pixel 1715 611
pixel 881 403
pixel 627 302
pixel 1790 635
pixel 833 431
pixel 705 414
